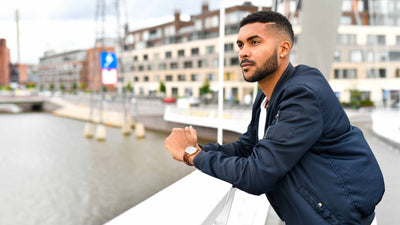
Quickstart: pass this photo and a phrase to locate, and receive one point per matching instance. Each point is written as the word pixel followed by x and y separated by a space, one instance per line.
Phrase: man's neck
pixel 268 84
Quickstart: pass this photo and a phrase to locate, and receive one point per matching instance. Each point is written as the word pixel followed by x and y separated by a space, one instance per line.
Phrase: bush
pixel 366 103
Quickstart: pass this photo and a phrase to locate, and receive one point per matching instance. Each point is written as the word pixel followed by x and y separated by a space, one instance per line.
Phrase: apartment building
pixel 367 55
pixel 64 70
pixel 184 54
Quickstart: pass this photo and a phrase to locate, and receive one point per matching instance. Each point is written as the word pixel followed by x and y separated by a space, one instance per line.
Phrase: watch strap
pixel 186 156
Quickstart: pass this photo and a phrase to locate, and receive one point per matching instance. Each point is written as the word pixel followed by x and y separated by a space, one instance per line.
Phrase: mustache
pixel 246 61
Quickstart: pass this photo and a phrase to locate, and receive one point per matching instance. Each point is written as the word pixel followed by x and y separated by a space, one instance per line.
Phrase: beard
pixel 268 67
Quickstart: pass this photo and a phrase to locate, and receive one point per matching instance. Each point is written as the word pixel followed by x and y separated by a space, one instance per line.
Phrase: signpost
pixel 109 68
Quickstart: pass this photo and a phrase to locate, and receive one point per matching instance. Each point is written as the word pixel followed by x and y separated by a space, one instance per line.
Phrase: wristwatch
pixel 188 152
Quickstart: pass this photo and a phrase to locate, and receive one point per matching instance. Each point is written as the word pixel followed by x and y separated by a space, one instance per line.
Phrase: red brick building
pixel 4 63
pixel 91 77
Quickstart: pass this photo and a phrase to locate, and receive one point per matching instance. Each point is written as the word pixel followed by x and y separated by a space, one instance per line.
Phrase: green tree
pixel 355 98
pixel 129 87
pixel 162 87
pixel 62 87
pixel 205 88
pixel 74 87
pixel 83 86
pixel 51 87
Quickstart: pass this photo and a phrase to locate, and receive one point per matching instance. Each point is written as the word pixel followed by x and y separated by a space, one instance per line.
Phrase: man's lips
pixel 246 65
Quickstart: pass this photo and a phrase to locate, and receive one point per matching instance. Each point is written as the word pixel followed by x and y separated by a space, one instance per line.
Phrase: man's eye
pixel 255 42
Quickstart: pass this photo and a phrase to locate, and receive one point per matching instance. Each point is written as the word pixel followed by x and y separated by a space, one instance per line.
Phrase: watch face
pixel 190 150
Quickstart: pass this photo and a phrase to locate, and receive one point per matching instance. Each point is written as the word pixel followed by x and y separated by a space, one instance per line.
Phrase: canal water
pixel 51 174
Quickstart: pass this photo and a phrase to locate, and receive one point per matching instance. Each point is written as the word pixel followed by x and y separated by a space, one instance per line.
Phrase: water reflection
pixel 51 174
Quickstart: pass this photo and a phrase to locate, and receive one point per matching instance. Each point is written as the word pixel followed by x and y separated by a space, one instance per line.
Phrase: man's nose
pixel 244 53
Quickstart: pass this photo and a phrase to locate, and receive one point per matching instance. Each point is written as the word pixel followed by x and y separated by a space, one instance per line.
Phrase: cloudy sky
pixel 64 25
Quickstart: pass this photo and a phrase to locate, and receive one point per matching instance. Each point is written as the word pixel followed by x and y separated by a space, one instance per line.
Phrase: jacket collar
pixel 289 71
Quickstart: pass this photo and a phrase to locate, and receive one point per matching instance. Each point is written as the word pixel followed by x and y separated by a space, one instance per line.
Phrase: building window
pixel 187 64
pixel 181 77
pixel 188 91
pixel 215 62
pixel 211 77
pixel 384 56
pixel 174 91
pixel 149 67
pixel 136 79
pixel 345 73
pixel 346 5
pixel 201 63
pixel 145 57
pixel 369 56
pixel 181 53
pixel 198 24
pixel 211 22
pixel 336 56
pixel 174 65
pixel 146 78
pixel 195 51
pixel 376 39
pixel 195 77
pixel 346 39
pixel 382 73
pixel 229 47
pixel 397 73
pixel 228 76
pixel 234 61
pixel 376 73
pixel 210 49
pixel 168 55
pixel 356 56
pixel 168 78
pixel 345 20
pixel 162 66
pixel 141 67
pixel 135 58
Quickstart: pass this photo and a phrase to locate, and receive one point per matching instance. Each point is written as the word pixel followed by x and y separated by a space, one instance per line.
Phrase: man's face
pixel 258 52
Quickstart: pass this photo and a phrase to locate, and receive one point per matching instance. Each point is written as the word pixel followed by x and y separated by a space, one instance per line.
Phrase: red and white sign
pixel 109 76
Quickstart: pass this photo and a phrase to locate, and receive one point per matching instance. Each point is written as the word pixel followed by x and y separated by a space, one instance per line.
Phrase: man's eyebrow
pixel 252 37
pixel 248 39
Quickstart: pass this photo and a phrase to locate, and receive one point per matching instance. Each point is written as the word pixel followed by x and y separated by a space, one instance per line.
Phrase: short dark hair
pixel 281 22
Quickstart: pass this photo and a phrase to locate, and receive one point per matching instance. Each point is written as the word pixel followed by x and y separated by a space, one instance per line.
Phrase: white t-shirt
pixel 263 118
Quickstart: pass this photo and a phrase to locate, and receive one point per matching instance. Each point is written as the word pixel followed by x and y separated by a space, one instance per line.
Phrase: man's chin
pixel 248 77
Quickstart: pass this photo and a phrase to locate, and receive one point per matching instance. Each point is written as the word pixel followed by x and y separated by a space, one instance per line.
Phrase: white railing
pixel 386 123
pixel 198 199
pixel 232 120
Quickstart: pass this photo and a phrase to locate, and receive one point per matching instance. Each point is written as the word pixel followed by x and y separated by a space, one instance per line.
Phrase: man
pixel 300 148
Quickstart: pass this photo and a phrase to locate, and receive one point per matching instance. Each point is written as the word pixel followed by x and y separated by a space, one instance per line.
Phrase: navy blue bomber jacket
pixel 313 165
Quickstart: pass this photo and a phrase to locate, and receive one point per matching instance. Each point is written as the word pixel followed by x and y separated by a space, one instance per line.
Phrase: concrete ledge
pixel 386 125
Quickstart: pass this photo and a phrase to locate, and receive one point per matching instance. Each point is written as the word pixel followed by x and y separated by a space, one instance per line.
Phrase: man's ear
pixel 284 49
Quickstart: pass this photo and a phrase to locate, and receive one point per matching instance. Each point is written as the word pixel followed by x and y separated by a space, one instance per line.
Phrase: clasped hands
pixel 179 140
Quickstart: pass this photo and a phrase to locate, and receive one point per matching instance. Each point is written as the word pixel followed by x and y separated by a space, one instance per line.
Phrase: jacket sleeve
pixel 244 146
pixel 294 129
